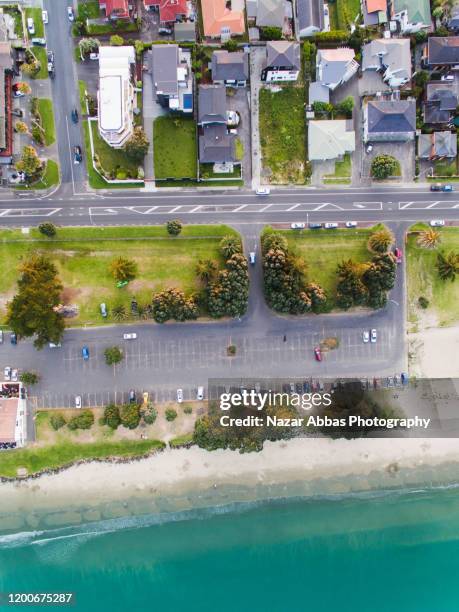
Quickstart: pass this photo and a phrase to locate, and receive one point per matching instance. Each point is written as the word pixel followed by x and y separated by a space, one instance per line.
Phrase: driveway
pixel 404 153
pixel 238 100
pixel 257 59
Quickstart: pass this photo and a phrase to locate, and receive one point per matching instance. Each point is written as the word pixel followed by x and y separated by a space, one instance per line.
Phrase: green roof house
pixel 413 15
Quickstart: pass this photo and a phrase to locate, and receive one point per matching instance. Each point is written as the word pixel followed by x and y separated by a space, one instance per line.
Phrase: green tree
pixel 21 127
pixel 231 45
pixel 29 163
pixel 350 290
pixel 130 416
pixel 137 146
pixel 380 241
pixel 347 105
pixel 29 378
pixel 47 229
pixel 228 295
pixel 174 227
pixel 274 240
pixel 206 270
pixel 172 304
pixel 112 416
pixel 85 420
pixel 57 421
pixel 116 40
pixel 88 45
pixel 230 245
pixel 171 414
pixel 429 238
pixel 421 77
pixel 383 166
pixel 149 414
pixel 33 310
pixel 447 265
pixel 271 33
pixel 123 269
pixel 113 355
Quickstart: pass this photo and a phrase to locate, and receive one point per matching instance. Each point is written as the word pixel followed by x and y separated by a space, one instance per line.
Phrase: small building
pixel 335 66
pixel 453 21
pixel 169 11
pixel 283 61
pixel 185 31
pixel 220 21
pixel 374 12
pixel 391 57
pixel 440 103
pixel 437 145
pixel 442 51
pixel 310 17
pixel 115 9
pixel 412 15
pixel 330 139
pixel 171 76
pixel 389 121
pixel 211 104
pixel 116 98
pixel 13 415
pixel 270 13
pixel 230 69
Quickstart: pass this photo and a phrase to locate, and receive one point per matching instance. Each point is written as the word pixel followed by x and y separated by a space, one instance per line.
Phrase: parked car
pixel 200 394
pixel 440 187
pixel 17 112
pixel 447 188
pixel 331 225
pixel 179 396
pixel 317 353
pixel 13 338
pixel 351 223
pixel 44 17
pixel 103 310
pixel 54 345
pixel 435 187
pixel 369 148
pixel 398 255
pixel 298 225
pixel 70 14
pixel 77 401
pixel 85 353
pixel 252 258
pixel 74 115
pixel 131 396
pixel 30 26
pixel 447 77
pixel 437 223
pixel 404 378
pixel 164 31
pixel 50 56
pixel 232 118
pixel 17 93
pixel 39 42
pixel 373 335
pixel 366 336
pixel 145 397
pixel 94 56
pixel 7 373
pixel 77 159
pixel 131 336
pixel 263 191
pixel 315 226
pixel 14 375
pixel 1 336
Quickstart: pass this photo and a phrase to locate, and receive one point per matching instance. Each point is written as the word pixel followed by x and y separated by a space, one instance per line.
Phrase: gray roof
pixel 163 63
pixel 186 31
pixel 318 93
pixel 6 58
pixel 251 6
pixel 212 104
pixel 438 144
pixel 270 13
pixel 443 50
pixel 283 54
pixel 216 145
pixel 310 13
pixel 441 102
pixel 393 53
pixel 230 66
pixel 392 120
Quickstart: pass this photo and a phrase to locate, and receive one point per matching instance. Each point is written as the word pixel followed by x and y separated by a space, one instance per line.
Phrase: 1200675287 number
pixel 23 599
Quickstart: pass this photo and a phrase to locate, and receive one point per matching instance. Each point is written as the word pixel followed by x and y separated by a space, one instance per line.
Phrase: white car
pixel 437 223
pixel 179 396
pixel 373 335
pixel 298 225
pixel 447 77
pixel 131 336
pixel 200 394
pixel 331 225
pixel 30 26
pixel 232 118
pixel 7 373
pixel 94 56
pixel 366 336
pixel 70 14
pixel 44 16
pixel 351 223
pixel 14 375
pixel 54 345
pixel 252 258
pixel 77 401
pixel 263 191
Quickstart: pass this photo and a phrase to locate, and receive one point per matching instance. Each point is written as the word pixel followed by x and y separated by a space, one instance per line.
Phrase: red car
pixel 398 255
pixel 317 353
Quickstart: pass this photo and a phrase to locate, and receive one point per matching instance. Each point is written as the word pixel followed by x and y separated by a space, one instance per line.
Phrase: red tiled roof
pixel 119 7
pixel 376 5
pixel 168 9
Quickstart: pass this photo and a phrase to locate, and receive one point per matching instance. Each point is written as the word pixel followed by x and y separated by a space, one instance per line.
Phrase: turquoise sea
pixel 386 551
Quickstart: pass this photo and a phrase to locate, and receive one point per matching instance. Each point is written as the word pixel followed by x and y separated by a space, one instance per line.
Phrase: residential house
pixel 412 15
pixel 172 78
pixel 222 22
pixel 216 144
pixel 391 57
pixel 185 31
pixel 442 51
pixel 333 67
pixel 453 21
pixel 330 139
pixel 169 11
pixel 115 9
pixel 389 121
pixel 116 98
pixel 310 17
pixel 266 13
pixel 230 69
pixel 283 61
pixel 437 145
pixel 374 12
pixel 440 103
pixel 6 119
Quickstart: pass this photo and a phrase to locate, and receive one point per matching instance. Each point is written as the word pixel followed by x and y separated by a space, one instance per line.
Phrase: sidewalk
pixel 257 57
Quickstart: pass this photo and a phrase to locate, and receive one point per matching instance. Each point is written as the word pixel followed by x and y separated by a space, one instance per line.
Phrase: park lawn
pixel 37 459
pixel 83 255
pixel 88 10
pixel 112 159
pixel 282 134
pixel 423 279
pixel 40 54
pixel 174 147
pixel 45 106
pixel 35 13
pixel 323 250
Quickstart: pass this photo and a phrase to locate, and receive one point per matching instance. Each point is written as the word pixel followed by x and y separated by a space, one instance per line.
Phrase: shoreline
pixel 189 479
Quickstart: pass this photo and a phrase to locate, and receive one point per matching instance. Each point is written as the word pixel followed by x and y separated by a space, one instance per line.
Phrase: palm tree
pixel 429 238
pixel 206 269
pixel 230 245
pixel 119 312
pixel 448 265
pixel 274 240
pixel 381 241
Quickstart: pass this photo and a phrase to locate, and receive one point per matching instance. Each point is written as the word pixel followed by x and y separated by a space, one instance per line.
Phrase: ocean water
pixel 386 551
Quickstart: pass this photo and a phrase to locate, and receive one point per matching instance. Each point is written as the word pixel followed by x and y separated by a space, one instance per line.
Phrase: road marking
pixel 292 207
pixel 28 212
pixel 429 204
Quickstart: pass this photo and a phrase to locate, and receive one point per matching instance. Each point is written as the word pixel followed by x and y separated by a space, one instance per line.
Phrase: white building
pixel 13 415
pixel 116 99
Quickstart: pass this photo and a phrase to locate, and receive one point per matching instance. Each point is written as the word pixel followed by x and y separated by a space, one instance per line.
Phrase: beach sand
pixel 434 352
pixel 185 479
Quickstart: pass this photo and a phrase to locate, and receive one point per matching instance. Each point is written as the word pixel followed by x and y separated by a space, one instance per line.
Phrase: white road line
pixel 175 208
pixel 239 208
pixel 292 207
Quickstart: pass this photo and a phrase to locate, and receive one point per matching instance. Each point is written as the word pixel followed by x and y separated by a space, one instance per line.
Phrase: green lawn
pixel 81 91
pixel 333 16
pixel 40 54
pixel 112 160
pixel 50 177
pixel 346 12
pixel 423 279
pixel 88 10
pixel 323 249
pixel 445 168
pixel 45 106
pixel 37 459
pixel 83 256
pixel 35 13
pixel 282 134
pixel 17 16
pixel 343 171
pixel 175 149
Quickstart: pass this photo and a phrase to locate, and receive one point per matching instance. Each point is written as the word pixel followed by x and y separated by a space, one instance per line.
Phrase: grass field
pixel 88 10
pixel 45 106
pixel 323 249
pixel 112 160
pixel 282 134
pixel 174 146
pixel 423 280
pixel 346 12
pixel 83 256
pixel 40 54
pixel 35 13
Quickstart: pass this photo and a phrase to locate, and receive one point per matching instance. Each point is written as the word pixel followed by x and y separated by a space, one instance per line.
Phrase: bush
pixel 57 421
pixel 423 302
pixel 231 350
pixel 187 409
pixel 149 414
pixel 270 33
pixel 174 227
pixel 47 229
pixel 383 166
pixel 113 355
pixel 112 416
pixel 85 420
pixel 331 36
pixel 29 378
pixel 130 416
pixel 171 414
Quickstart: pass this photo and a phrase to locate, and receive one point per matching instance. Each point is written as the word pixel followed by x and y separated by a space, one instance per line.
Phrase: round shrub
pixel 112 416
pixel 130 416
pixel 423 302
pixel 149 414
pixel 171 414
pixel 57 421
